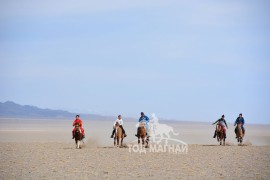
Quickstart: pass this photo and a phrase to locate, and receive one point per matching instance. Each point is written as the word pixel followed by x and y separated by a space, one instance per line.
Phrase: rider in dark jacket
pixel 221 122
pixel 239 120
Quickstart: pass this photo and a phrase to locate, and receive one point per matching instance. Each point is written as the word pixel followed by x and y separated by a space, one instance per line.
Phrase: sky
pixel 180 59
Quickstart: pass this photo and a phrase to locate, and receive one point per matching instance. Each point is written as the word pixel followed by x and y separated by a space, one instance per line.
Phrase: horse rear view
pixel 78 136
pixel 239 133
pixel 220 134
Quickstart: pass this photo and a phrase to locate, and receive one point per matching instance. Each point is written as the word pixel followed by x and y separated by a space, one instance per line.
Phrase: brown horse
pixel 118 135
pixel 142 134
pixel 239 133
pixel 78 135
pixel 220 134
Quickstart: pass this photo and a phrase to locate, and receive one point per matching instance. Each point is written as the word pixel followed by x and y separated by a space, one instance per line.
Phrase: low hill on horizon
pixel 10 109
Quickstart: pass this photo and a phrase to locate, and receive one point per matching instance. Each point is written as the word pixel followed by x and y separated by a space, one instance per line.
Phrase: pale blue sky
pixel 184 60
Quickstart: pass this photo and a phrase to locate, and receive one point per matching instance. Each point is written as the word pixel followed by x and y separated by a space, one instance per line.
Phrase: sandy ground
pixel 33 149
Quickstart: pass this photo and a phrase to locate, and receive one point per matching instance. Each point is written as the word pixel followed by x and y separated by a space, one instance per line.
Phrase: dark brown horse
pixel 78 135
pixel 142 134
pixel 220 134
pixel 239 133
pixel 118 135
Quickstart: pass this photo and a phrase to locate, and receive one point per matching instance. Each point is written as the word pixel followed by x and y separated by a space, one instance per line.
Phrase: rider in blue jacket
pixel 142 118
pixel 239 120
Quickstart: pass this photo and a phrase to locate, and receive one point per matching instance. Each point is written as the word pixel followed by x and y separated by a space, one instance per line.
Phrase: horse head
pixel 142 124
pixel 117 124
pixel 219 129
pixel 239 125
pixel 77 126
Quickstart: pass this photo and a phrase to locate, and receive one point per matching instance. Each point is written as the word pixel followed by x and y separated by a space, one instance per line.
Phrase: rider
pixel 142 118
pixel 120 122
pixel 79 121
pixel 221 122
pixel 239 120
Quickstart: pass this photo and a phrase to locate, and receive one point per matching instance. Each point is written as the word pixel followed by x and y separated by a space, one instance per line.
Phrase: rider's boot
pixel 137 132
pixel 215 134
pixel 125 135
pixel 112 136
pixel 225 136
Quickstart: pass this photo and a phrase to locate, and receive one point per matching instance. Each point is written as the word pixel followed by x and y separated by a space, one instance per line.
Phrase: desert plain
pixel 44 149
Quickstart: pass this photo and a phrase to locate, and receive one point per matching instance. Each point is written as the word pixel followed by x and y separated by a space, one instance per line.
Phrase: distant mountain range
pixel 10 109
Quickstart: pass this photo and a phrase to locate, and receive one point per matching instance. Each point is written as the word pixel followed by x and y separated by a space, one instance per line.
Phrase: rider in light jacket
pixel 120 122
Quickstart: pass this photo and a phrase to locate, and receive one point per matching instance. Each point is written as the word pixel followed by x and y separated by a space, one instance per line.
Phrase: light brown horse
pixel 142 134
pixel 220 134
pixel 239 133
pixel 118 135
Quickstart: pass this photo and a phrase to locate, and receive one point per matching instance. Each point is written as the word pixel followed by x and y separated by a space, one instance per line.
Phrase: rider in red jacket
pixel 77 120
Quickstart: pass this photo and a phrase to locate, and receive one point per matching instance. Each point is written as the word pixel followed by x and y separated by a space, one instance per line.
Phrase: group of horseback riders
pixel 144 118
pixel 119 120
pixel 222 123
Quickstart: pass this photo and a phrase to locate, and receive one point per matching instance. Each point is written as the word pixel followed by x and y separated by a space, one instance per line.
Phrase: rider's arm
pixel 225 123
pixel 236 121
pixel 146 118
pixel 243 121
pixel 215 122
pixel 114 123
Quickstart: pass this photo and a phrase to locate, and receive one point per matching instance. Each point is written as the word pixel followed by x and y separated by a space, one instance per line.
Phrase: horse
pixel 220 134
pixel 78 136
pixel 239 133
pixel 142 134
pixel 118 135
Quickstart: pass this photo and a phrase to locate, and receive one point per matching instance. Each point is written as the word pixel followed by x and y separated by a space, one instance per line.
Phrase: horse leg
pixel 142 141
pixel 122 141
pixel 138 140
pixel 117 141
pixel 114 142
pixel 147 140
